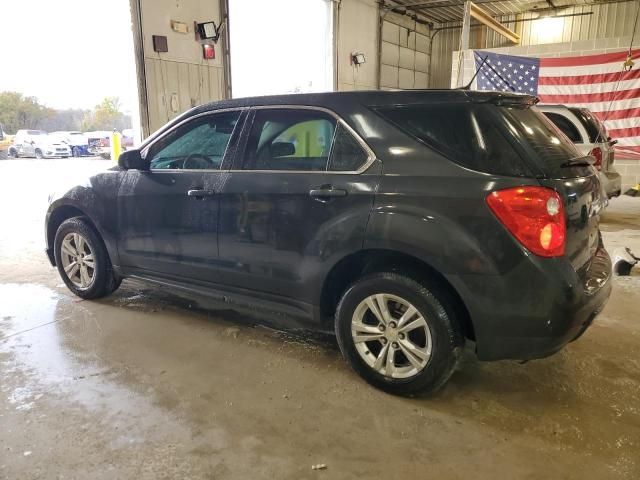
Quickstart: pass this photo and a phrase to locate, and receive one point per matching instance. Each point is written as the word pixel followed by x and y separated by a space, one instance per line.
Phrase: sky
pixel 275 46
pixel 68 53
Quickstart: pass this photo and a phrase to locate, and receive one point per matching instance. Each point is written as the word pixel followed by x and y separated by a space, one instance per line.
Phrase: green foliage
pixel 18 111
pixel 106 116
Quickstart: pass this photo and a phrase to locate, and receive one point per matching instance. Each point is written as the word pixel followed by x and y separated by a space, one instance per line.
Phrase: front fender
pixel 95 199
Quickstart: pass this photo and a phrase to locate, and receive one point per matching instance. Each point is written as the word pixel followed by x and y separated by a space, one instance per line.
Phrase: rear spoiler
pixel 508 99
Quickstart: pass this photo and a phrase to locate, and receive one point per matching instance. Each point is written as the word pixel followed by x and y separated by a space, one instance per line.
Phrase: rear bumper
pixel 539 307
pixel 611 183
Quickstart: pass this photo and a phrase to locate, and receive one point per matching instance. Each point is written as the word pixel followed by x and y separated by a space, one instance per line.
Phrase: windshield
pixel 36 132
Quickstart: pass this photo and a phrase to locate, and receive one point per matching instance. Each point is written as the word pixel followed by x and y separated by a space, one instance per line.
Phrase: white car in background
pixel 589 135
pixel 37 143
pixel 78 142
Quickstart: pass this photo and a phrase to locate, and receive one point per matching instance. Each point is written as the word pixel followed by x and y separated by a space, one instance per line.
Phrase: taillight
pixel 534 215
pixel 597 154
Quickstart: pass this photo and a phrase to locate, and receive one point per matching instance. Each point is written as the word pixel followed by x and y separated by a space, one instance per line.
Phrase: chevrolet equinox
pixel 407 222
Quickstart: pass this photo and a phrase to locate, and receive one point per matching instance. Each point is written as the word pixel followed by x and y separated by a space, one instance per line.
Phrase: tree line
pixel 18 111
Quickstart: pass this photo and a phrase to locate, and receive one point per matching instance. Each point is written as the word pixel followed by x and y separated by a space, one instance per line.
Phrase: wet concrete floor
pixel 144 385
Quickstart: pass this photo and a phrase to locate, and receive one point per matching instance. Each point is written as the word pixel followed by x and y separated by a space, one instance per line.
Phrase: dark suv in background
pixel 407 222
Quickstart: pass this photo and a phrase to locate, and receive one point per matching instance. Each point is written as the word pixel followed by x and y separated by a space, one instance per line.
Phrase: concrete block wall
pixel 630 172
pixel 358 32
pixel 405 48
pixel 628 168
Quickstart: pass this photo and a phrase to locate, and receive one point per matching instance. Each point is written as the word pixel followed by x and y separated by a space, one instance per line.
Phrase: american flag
pixel 596 82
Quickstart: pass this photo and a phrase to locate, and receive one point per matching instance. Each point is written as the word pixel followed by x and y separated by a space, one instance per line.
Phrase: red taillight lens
pixel 597 154
pixel 534 215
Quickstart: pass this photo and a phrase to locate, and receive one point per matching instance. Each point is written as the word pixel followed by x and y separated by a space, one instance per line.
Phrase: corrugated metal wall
pixel 607 21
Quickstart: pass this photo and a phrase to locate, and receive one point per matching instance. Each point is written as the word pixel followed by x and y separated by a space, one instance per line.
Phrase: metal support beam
pixel 464 42
pixel 484 17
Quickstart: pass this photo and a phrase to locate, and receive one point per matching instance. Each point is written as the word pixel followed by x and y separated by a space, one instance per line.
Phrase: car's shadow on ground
pixel 470 378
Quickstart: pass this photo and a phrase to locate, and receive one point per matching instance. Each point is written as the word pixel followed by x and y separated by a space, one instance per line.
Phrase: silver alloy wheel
pixel 391 336
pixel 78 260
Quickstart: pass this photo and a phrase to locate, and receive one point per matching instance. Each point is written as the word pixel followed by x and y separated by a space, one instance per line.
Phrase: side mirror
pixel 282 149
pixel 131 160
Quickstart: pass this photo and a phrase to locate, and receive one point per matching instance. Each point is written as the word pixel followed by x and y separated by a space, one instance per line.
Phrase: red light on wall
pixel 208 52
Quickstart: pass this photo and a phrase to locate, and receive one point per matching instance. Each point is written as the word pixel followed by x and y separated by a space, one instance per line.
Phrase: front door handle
pixel 201 193
pixel 326 193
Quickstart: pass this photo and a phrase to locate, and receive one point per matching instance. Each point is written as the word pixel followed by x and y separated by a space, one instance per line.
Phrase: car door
pixel 25 147
pixel 297 199
pixel 168 215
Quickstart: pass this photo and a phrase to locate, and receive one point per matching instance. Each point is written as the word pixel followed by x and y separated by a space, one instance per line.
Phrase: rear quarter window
pixel 467 134
pixel 565 125
pixel 596 131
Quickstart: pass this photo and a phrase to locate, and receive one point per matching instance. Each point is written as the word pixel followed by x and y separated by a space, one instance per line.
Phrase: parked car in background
pixel 5 142
pixel 405 222
pixel 76 140
pixel 37 143
pixel 127 138
pixel 589 135
pixel 99 142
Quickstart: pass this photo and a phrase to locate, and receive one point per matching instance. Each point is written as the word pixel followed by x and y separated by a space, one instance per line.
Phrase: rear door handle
pixel 201 193
pixel 326 193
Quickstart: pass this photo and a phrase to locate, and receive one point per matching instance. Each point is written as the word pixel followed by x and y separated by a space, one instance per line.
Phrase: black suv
pixel 406 221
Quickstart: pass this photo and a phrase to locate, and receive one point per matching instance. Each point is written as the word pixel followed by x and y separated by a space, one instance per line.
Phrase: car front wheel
pixel 39 154
pixel 397 334
pixel 83 261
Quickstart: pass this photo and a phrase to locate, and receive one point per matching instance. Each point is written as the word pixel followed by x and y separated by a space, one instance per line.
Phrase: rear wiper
pixel 586 161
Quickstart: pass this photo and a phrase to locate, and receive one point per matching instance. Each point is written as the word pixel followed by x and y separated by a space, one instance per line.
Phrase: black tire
pixel 75 152
pixel 104 280
pixel 446 338
pixel 13 153
pixel 39 153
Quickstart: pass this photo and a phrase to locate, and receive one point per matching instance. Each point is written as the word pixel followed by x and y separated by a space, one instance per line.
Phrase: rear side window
pixel 565 125
pixel 596 131
pixel 539 137
pixel 471 135
pixel 289 139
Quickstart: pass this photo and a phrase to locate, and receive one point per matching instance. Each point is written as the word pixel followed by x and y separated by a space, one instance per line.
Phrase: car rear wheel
pixel 39 153
pixel 399 335
pixel 83 261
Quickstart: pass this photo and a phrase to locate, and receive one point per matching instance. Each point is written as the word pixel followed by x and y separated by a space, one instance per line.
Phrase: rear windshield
pixel 596 130
pixel 485 137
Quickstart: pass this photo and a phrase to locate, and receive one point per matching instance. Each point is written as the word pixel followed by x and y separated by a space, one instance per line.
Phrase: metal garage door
pixel 404 59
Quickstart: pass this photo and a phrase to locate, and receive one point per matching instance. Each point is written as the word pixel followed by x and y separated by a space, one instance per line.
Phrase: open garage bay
pixel 146 384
